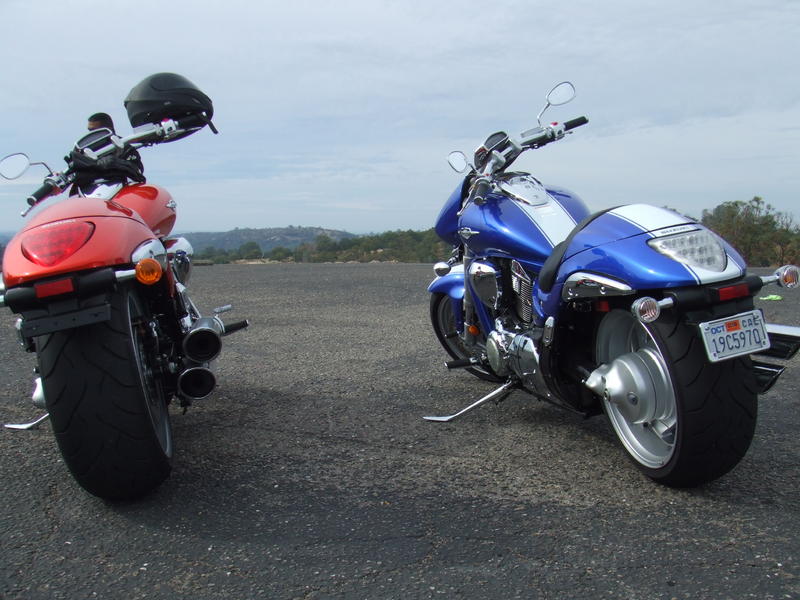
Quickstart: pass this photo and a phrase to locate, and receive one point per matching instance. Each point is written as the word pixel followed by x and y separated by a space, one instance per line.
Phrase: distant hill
pixel 268 238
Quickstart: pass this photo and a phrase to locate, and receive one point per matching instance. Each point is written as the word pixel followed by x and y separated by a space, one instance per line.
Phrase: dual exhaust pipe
pixel 201 345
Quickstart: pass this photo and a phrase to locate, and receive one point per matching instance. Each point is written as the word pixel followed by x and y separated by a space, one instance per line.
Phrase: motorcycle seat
pixel 547 276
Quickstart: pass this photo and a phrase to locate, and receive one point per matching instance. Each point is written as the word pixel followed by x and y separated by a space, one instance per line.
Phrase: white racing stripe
pixel 551 218
pixel 647 217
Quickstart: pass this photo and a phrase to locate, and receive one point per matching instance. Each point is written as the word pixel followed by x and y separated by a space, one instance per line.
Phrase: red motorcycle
pixel 100 288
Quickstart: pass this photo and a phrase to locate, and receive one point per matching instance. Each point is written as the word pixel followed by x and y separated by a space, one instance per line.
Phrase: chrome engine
pixel 523 290
pixel 486 281
pixel 518 354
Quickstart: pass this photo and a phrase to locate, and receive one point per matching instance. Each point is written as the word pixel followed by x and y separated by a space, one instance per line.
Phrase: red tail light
pixel 52 243
pixel 731 292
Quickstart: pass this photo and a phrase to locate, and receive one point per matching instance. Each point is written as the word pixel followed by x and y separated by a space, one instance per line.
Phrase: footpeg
pixel 497 395
pixel 461 363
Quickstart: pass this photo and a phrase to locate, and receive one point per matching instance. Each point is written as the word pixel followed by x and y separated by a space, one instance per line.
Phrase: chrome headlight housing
pixel 699 248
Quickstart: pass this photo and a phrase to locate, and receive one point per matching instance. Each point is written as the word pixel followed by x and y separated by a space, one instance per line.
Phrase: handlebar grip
pixel 42 193
pixel 573 123
pixel 482 189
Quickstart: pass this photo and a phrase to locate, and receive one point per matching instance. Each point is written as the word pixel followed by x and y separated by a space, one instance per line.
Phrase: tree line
pixel 399 246
pixel 763 236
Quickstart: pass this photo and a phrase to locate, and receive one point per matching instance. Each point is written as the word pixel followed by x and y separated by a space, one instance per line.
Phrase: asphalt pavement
pixel 311 474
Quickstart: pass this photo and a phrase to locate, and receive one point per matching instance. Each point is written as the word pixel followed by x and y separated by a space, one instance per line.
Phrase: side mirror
pixel 14 165
pixel 457 161
pixel 560 94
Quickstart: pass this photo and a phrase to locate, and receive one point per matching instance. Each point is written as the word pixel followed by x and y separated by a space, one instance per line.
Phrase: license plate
pixel 740 334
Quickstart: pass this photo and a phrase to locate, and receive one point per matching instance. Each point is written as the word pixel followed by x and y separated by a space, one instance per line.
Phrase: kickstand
pixel 498 395
pixel 31 425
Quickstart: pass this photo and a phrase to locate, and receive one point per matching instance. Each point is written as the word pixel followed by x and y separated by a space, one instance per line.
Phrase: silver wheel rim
pixel 645 415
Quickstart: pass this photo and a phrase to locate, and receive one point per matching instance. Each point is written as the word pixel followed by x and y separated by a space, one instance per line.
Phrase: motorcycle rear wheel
pixel 444 325
pixel 694 420
pixel 107 405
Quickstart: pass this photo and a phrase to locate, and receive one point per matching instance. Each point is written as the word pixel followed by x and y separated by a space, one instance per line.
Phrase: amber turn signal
pixel 788 276
pixel 148 271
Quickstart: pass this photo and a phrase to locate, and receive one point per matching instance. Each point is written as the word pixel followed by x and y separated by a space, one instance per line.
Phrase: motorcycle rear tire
pixel 107 406
pixel 444 325
pixel 713 405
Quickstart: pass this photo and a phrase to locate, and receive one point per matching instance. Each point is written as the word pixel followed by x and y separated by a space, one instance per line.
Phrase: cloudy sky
pixel 341 114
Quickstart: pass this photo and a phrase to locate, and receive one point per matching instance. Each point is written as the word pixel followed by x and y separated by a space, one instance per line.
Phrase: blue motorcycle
pixel 635 311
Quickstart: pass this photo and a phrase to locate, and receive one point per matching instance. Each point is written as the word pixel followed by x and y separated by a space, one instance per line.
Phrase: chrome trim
pixel 179 244
pixel 781 272
pixel 590 285
pixel 196 382
pixel 38 394
pixel 766 375
pixel 203 342
pixel 103 191
pixel 125 275
pixel 549 331
pixel 497 395
pixel 789 330
pixel 522 285
pixel 524 359
pixel 32 425
pixel 18 329
pixel 466 232
pixel 497 343
pixel 526 189
pixel 180 252
pixel 150 249
pixel 441 269
pixel 518 353
pixel 483 278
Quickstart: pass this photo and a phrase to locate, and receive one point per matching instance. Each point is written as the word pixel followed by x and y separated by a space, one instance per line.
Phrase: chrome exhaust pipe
pixel 196 383
pixel 766 375
pixel 203 343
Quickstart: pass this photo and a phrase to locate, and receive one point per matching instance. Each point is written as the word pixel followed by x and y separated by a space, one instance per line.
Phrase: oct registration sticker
pixel 744 333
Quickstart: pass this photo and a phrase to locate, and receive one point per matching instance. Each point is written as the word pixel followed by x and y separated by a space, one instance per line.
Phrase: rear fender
pixel 113 242
pixel 614 246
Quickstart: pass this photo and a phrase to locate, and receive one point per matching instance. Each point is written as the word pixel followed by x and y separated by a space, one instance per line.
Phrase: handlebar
pixel 145 135
pixel 573 123
pixel 42 193
pixel 480 191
